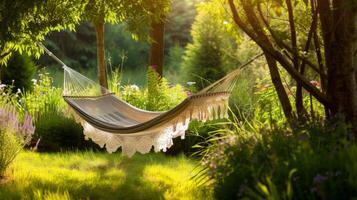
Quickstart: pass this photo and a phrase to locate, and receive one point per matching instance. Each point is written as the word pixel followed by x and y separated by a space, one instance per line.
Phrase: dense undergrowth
pixel 314 161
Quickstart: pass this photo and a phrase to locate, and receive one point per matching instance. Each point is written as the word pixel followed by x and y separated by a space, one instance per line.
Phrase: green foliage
pixel 173 63
pixel 76 49
pixel 27 22
pixel 10 146
pixel 203 57
pixel 179 21
pixel 8 97
pixel 57 132
pixel 18 72
pixel 122 50
pixel 89 175
pixel 160 95
pixel 251 160
pixel 14 134
pixel 114 81
pixel 134 95
pixel 44 95
pixel 55 127
pixel 137 14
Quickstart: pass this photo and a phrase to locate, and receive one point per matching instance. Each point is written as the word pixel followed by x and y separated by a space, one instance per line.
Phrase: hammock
pixel 112 123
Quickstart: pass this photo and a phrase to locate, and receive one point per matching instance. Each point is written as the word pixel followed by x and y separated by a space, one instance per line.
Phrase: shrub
pixel 56 128
pixel 250 160
pixel 14 134
pixel 19 71
pixel 58 132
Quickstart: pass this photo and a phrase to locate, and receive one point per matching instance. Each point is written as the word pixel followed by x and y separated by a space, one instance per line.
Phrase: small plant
pixel 14 134
pixel 44 95
pixel 160 95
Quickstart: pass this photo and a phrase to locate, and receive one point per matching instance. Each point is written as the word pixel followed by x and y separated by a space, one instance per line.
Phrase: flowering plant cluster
pixel 14 134
pixel 10 122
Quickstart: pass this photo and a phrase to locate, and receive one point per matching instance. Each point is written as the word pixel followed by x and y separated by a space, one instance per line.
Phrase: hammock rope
pixel 113 123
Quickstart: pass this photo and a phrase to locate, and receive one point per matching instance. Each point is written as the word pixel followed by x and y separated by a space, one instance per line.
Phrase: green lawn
pixel 89 175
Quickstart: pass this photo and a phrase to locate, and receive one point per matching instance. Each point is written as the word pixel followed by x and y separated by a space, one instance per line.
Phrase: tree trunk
pixel 340 50
pixel 102 68
pixel 157 46
pixel 279 87
pixel 299 103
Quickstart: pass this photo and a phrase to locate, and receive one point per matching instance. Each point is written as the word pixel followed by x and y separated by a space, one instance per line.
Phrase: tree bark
pixel 279 87
pixel 102 68
pixel 299 104
pixel 156 59
pixel 340 49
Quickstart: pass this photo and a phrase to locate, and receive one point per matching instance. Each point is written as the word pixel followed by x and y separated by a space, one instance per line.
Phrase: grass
pixel 91 175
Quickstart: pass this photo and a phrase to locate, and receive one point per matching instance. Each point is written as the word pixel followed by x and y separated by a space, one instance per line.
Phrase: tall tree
pixel 157 34
pixel 156 59
pixel 99 12
pixel 335 64
pixel 138 14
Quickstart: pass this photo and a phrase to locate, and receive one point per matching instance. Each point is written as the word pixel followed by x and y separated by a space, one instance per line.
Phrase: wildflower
pixel 9 120
pixel 191 83
pixel 225 22
pixel 318 179
pixel 134 87
pixel 315 83
pixel 2 86
pixel 188 93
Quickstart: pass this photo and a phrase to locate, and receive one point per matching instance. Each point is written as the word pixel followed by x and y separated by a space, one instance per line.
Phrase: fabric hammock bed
pixel 113 123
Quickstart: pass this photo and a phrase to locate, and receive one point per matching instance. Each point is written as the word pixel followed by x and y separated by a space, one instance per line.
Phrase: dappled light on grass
pixel 92 175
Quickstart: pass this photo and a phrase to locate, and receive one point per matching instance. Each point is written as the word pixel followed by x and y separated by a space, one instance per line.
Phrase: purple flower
pixel 318 179
pixel 9 121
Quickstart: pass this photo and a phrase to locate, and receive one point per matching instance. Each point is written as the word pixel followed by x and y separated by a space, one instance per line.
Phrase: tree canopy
pixel 23 23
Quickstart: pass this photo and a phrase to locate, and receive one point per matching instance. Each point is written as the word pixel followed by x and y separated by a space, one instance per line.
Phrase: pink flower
pixel 188 93
pixel 315 83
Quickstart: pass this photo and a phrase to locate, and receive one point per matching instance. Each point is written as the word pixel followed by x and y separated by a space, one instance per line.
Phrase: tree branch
pixel 289 49
pixel 279 57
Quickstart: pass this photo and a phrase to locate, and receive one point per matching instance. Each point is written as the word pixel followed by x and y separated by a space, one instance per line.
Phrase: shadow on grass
pixel 92 176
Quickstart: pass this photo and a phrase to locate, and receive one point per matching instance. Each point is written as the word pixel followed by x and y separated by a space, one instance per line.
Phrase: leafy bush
pixel 56 128
pixel 160 95
pixel 58 132
pixel 249 160
pixel 14 134
pixel 19 71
